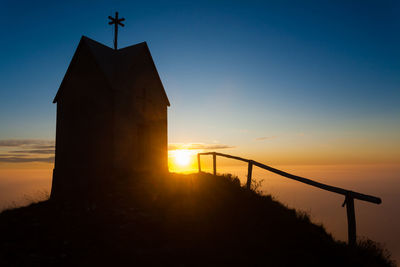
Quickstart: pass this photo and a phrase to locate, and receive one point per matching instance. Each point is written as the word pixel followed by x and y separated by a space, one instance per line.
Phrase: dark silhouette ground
pixel 179 220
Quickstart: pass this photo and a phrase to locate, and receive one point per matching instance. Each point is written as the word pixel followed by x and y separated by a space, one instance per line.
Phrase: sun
pixel 182 157
pixel 182 160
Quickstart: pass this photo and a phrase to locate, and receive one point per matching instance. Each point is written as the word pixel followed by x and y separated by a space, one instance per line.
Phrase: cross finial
pixel 116 21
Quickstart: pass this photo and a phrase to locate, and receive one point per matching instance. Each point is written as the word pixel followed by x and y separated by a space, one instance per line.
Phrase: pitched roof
pixel 117 64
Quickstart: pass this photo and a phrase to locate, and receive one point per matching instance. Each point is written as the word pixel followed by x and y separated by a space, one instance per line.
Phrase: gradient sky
pixel 281 82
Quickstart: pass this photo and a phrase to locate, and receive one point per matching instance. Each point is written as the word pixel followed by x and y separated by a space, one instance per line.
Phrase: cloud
pixel 43 147
pixel 26 150
pixel 265 138
pixel 26 142
pixel 23 159
pixel 175 146
pixel 35 151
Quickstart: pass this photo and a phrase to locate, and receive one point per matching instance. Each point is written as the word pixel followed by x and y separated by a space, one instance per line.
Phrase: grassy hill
pixel 179 220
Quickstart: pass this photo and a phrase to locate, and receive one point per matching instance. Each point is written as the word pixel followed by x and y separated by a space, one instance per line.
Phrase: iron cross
pixel 116 21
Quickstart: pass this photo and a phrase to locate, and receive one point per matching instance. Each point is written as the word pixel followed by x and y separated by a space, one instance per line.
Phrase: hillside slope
pixel 196 219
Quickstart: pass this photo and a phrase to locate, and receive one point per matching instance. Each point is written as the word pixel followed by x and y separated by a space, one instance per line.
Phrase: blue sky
pixel 317 75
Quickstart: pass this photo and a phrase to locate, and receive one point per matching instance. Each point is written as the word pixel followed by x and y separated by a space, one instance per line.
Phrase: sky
pixel 282 82
pixel 297 84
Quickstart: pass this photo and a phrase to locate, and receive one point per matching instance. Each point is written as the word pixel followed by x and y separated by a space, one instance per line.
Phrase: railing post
pixel 198 162
pixel 249 173
pixel 215 163
pixel 351 220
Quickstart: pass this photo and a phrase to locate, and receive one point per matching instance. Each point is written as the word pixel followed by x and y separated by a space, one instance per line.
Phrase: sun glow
pixel 182 157
pixel 182 160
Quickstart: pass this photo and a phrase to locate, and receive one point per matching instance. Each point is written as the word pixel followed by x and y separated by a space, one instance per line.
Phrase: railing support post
pixel 249 173
pixel 214 163
pixel 198 162
pixel 351 220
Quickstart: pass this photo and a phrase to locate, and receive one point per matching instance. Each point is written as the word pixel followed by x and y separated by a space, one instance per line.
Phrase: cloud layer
pixel 24 160
pixel 26 142
pixel 26 150
pixel 197 146
pixel 265 138
pixel 39 150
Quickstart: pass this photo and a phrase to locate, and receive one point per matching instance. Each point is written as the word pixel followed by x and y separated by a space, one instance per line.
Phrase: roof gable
pixel 117 65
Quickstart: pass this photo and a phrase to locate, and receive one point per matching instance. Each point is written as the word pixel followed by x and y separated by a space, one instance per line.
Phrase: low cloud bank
pixel 197 146
pixel 40 150
pixel 37 143
pixel 25 159
pixel 26 150
pixel 265 138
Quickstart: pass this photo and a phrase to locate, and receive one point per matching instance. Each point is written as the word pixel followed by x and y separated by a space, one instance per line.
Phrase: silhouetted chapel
pixel 111 118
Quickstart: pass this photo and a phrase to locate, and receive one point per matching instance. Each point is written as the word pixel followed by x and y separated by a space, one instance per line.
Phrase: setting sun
pixel 182 157
pixel 182 160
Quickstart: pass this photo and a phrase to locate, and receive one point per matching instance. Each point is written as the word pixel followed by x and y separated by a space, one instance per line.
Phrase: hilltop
pixel 180 220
